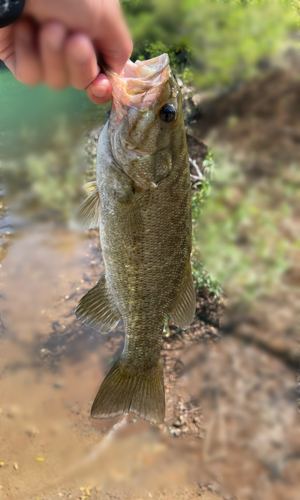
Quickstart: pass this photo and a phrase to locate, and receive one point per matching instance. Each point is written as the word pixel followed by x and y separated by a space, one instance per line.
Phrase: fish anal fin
pixel 183 310
pixel 97 308
pixel 124 391
pixel 88 213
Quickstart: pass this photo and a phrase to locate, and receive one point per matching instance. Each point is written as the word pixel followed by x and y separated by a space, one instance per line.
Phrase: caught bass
pixel 142 203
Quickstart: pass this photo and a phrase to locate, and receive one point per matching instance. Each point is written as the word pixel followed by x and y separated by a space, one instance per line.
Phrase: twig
pixel 194 178
pixel 199 174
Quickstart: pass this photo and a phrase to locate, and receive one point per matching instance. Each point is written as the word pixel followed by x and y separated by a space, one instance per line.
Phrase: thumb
pixel 114 41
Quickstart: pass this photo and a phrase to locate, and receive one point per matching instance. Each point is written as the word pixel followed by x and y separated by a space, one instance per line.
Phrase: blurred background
pixel 232 379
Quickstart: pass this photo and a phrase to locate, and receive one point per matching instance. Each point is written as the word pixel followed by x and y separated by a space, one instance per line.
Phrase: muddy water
pixel 229 404
pixel 50 370
pixel 51 366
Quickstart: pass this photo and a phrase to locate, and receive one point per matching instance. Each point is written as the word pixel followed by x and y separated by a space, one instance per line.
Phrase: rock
pixel 13 411
pixel 58 384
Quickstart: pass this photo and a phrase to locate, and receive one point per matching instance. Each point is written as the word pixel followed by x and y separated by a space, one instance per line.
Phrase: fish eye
pixel 168 113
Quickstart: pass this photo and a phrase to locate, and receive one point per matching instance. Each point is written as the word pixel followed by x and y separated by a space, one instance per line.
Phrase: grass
pixel 239 236
pixel 212 43
pixel 238 239
pixel 202 277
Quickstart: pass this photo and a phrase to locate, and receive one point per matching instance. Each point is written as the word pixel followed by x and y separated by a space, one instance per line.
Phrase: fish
pixel 141 201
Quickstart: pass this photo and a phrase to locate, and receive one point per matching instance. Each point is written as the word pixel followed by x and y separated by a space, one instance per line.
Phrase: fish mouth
pixel 139 83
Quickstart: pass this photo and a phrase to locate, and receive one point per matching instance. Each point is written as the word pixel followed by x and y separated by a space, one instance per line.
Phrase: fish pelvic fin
pixel 97 308
pixel 88 213
pixel 183 311
pixel 124 391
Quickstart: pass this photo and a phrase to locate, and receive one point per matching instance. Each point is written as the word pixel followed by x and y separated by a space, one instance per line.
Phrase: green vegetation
pixel 47 183
pixel 202 277
pixel 213 43
pixel 240 235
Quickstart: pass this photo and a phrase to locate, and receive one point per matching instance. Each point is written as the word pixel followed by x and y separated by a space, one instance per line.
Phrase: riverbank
pixel 232 428
pixel 230 377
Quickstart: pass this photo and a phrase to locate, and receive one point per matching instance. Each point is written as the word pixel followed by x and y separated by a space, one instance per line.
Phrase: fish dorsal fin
pixel 88 213
pixel 183 310
pixel 97 308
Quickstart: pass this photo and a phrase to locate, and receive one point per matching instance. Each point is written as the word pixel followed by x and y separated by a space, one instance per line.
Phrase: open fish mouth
pixel 139 83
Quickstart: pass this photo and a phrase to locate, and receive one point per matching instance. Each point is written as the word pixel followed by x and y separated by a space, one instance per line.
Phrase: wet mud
pixel 232 425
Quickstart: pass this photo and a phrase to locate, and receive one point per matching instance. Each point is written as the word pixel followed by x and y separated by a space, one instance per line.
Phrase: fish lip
pixel 163 59
pixel 139 81
pixel 138 86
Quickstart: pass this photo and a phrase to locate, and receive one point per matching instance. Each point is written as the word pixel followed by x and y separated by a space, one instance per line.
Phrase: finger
pixel 7 48
pixel 81 61
pixel 52 38
pixel 100 90
pixel 28 67
pixel 113 40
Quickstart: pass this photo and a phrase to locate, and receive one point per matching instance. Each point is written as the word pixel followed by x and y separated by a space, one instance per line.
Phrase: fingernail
pixel 99 91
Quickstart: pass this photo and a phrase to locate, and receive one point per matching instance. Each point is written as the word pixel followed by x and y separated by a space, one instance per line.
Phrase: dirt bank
pixel 232 428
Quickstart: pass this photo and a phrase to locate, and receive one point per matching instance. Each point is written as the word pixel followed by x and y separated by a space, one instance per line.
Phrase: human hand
pixel 56 42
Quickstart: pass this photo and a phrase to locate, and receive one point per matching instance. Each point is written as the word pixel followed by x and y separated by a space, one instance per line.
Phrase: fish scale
pixel 143 189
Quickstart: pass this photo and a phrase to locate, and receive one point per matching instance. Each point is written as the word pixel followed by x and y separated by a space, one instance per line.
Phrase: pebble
pixel 175 432
pixel 214 488
pixel 58 384
pixel 32 431
pixel 13 411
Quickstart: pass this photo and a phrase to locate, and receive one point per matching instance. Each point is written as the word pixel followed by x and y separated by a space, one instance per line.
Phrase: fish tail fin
pixel 123 391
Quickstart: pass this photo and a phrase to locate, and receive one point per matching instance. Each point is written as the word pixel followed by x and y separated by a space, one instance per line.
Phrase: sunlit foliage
pixel 222 40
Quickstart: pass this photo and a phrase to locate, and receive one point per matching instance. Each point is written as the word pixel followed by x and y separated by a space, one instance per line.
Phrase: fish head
pixel 146 121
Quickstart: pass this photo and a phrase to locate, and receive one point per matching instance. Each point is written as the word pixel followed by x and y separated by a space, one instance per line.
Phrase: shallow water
pixel 30 116
pixel 51 366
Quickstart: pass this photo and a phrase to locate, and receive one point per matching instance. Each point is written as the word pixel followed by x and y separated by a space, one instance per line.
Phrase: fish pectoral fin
pixel 88 213
pixel 183 311
pixel 133 222
pixel 124 391
pixel 90 187
pixel 97 308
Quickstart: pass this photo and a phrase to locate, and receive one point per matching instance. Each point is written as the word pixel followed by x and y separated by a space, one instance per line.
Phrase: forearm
pixel 10 10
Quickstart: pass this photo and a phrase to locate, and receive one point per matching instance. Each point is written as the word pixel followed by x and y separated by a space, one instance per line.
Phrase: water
pixel 51 366
pixel 30 116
